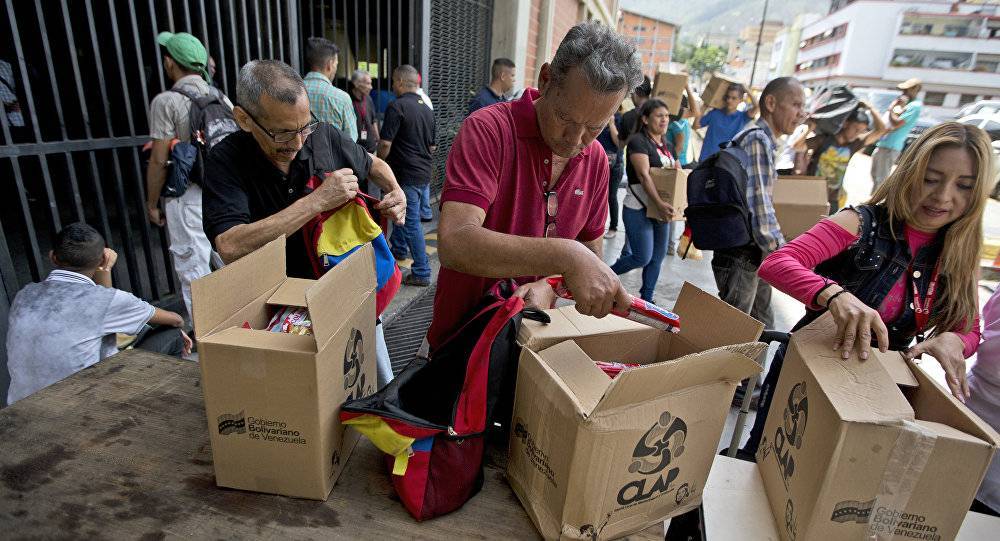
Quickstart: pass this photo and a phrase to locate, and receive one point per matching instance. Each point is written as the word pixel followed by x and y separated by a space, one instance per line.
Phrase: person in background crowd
pixel 828 155
pixel 364 110
pixel 501 83
pixel 255 188
pixel 724 124
pixel 68 322
pixel 525 194
pixel 648 148
pixel 408 139
pixel 903 265
pixel 630 119
pixel 679 133
pixel 903 114
pixel 984 386
pixel 613 149
pixel 184 60
pixel 781 111
pixel 212 79
pixel 328 103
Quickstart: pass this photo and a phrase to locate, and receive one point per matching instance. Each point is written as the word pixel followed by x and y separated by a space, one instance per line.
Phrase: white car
pixel 979 107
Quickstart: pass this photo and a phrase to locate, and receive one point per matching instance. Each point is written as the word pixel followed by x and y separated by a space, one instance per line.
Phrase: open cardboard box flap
pixel 594 391
pixel 566 322
pixel 340 292
pixel 708 322
pixel 237 285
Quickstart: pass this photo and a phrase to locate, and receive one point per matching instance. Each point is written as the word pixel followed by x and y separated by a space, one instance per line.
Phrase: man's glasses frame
pixel 286 136
pixel 551 208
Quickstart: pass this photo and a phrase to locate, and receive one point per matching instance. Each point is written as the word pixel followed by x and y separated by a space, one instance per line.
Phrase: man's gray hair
pixel 356 75
pixel 271 77
pixel 608 60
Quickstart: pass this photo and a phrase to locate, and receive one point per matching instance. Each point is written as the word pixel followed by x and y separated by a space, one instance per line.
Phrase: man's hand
pixel 595 287
pixel 393 204
pixel 948 349
pixel 188 344
pixel 538 295
pixel 337 188
pixel 155 217
pixel 108 260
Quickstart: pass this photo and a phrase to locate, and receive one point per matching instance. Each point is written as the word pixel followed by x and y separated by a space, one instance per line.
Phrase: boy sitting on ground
pixel 68 322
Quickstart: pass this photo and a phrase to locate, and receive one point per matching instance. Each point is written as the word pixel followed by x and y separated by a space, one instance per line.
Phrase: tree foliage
pixel 701 59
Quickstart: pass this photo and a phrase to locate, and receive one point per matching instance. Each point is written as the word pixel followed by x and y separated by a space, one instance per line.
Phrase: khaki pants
pixel 882 161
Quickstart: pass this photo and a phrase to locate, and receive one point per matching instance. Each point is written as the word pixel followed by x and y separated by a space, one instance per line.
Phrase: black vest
pixel 874 263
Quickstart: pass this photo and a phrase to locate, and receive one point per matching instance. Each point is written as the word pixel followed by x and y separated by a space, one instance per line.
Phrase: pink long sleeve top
pixel 790 269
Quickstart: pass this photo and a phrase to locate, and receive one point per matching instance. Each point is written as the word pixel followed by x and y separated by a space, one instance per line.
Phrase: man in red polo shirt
pixel 526 190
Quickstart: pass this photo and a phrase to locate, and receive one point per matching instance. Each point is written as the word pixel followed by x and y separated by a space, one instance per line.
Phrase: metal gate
pixel 459 53
pixel 77 78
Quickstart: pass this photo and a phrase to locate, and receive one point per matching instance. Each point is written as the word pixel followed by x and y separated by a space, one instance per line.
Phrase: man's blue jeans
pixel 409 239
pixel 647 245
pixel 425 203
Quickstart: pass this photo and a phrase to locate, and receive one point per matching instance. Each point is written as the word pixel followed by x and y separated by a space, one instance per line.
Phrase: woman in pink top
pixel 902 266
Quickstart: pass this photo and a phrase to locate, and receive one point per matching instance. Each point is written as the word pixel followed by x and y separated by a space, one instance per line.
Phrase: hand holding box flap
pixel 340 291
pixel 237 285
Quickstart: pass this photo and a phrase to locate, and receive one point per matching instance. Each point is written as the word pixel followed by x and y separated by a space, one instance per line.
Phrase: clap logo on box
pixel 654 452
pixel 354 359
pixel 788 436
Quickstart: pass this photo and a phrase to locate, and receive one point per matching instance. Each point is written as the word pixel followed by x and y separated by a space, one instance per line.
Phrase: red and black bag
pixel 432 419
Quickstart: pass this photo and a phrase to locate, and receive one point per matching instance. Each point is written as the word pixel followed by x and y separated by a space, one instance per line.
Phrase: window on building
pixel 989 63
pixel 912 58
pixel 934 98
pixel 966 99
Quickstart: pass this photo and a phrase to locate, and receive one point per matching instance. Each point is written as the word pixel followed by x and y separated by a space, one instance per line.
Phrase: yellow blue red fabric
pixel 336 234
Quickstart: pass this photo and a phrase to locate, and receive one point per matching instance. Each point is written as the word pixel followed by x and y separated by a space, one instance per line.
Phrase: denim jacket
pixel 874 263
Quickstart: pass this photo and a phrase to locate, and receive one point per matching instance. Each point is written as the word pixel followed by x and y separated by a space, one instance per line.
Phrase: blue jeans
pixel 647 245
pixel 409 239
pixel 425 203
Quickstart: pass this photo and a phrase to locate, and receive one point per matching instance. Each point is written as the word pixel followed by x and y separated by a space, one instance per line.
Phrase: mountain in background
pixel 722 17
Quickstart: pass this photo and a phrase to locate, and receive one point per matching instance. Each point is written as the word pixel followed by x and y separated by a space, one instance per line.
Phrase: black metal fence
pixel 76 79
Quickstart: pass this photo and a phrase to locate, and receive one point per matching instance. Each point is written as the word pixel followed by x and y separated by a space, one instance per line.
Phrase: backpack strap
pixel 741 136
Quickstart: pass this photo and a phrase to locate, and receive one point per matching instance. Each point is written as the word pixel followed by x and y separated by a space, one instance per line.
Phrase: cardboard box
pixel 670 87
pixel 272 399
pixel 799 203
pixel 714 95
pixel 735 505
pixel 567 323
pixel 598 458
pixel 856 449
pixel 671 184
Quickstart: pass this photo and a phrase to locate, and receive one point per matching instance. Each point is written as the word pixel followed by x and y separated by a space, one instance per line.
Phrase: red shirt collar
pixel 526 120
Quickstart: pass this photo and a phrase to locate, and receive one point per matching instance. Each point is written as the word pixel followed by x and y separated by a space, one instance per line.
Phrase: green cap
pixel 186 50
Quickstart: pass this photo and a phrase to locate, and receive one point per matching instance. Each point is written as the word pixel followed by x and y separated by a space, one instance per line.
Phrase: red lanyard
pixel 922 307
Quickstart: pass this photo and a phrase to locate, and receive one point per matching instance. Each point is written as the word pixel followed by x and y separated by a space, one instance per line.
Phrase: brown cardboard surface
pixel 236 285
pixel 568 323
pixel 671 185
pixel 846 452
pixel 272 399
pixel 583 455
pixel 714 94
pixel 670 87
pixel 735 504
pixel 799 204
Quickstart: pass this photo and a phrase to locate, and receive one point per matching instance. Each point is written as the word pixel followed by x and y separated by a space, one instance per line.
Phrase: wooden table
pixel 120 450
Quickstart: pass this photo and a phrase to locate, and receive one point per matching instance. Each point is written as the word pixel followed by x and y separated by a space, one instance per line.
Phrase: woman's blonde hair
pixel 957 303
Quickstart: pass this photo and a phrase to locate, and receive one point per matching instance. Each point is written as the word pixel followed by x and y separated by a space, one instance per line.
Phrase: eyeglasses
pixel 286 136
pixel 551 208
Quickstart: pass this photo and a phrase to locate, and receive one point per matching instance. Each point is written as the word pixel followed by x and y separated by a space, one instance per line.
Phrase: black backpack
pixel 717 212
pixel 211 120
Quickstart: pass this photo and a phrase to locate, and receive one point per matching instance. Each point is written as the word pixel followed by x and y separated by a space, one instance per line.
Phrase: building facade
pixel 529 31
pixel 654 38
pixel 954 48
pixel 785 51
